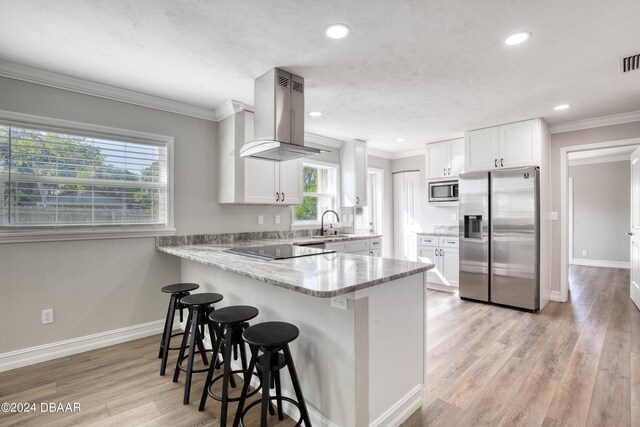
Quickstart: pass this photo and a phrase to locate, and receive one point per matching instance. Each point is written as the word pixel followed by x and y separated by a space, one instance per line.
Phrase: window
pixel 53 177
pixel 369 218
pixel 320 191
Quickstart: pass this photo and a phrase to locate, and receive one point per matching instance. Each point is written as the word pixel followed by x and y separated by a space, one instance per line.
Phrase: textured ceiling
pixel 423 70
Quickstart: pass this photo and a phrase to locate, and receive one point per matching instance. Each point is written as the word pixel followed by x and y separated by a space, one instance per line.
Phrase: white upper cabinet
pixel 506 146
pixel 353 173
pixel 445 159
pixel 253 181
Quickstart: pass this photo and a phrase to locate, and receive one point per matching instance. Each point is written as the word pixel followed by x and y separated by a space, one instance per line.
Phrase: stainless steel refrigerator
pixel 500 237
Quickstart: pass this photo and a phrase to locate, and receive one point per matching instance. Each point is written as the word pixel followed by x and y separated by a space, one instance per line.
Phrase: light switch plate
pixel 260 219
pixel 277 219
pixel 554 216
pixel 454 216
pixel 584 252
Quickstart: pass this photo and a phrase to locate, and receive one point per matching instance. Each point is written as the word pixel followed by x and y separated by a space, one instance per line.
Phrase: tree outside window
pixel 319 193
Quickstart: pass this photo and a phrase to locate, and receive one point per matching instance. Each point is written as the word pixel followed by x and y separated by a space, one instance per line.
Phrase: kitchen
pixel 106 290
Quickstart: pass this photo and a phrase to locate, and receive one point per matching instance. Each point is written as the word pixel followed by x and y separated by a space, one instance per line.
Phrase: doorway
pixel 595 206
pixel 406 214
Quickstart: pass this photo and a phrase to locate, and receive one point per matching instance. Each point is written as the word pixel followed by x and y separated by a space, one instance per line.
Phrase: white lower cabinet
pixel 369 247
pixel 442 252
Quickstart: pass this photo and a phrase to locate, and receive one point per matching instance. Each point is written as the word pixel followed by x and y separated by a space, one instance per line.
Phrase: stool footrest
pixel 231 399
pixel 283 398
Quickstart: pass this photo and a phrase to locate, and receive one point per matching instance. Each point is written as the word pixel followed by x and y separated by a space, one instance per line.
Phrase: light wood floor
pixel 574 364
pixel 571 364
pixel 116 386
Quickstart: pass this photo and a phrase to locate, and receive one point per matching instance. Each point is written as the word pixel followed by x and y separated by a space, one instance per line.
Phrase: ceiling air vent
pixel 630 63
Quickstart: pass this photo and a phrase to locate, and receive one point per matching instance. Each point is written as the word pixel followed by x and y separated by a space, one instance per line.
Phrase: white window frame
pixel 42 233
pixel 336 203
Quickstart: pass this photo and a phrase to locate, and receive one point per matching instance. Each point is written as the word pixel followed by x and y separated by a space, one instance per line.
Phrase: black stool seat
pixel 201 299
pixel 180 287
pixel 234 314
pixel 271 334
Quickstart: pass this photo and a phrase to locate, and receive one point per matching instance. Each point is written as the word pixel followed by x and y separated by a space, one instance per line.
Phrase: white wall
pixel 601 206
pixel 100 285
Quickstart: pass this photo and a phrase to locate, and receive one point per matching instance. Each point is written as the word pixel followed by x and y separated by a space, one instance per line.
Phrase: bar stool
pixel 232 322
pixel 270 338
pixel 199 306
pixel 177 291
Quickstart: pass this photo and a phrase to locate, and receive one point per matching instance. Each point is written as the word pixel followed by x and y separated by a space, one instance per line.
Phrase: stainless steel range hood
pixel 278 118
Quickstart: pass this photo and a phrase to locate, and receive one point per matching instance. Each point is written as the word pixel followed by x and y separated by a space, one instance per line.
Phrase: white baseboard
pixel 601 263
pixel 402 410
pixel 555 296
pixel 440 287
pixel 43 353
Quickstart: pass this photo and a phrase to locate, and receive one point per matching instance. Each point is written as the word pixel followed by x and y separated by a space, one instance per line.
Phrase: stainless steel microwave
pixel 443 191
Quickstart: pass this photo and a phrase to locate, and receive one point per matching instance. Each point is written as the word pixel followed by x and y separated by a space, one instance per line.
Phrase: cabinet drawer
pixel 448 242
pixel 365 253
pixel 337 246
pixel 375 243
pixel 428 240
pixel 359 245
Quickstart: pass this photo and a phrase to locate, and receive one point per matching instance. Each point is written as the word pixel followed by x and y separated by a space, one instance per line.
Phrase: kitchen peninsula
pixel 360 354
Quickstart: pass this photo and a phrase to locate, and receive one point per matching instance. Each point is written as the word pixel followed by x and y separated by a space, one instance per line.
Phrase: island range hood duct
pixel 278 118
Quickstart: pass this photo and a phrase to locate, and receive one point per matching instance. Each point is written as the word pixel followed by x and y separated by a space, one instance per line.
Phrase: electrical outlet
pixel 554 216
pixel 340 302
pixel 454 216
pixel 277 219
pixel 584 252
pixel 260 219
pixel 350 218
pixel 47 316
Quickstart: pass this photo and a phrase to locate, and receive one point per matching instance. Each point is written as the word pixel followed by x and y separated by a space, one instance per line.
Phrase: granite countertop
pixel 441 231
pixel 323 276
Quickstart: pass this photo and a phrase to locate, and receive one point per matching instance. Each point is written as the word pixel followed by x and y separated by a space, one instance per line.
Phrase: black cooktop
pixel 273 252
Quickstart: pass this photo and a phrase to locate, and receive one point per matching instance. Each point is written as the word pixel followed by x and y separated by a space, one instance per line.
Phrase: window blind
pixel 57 178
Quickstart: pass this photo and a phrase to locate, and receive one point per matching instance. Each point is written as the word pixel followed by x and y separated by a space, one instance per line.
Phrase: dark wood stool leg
pixel 245 387
pixel 212 368
pixel 192 349
pixel 276 376
pixel 266 373
pixel 166 336
pixel 296 386
pixel 164 332
pixel 200 336
pixel 183 346
pixel 225 377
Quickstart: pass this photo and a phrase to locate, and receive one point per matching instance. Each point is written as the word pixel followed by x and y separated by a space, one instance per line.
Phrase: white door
pixel 436 160
pixel 260 181
pixel 406 210
pixel 635 228
pixel 517 147
pixel 456 156
pixel 291 182
pixel 481 149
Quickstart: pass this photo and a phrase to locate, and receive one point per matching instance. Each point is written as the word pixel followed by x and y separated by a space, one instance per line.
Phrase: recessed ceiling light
pixel 400 140
pixel 561 107
pixel 517 38
pixel 337 31
pixel 315 113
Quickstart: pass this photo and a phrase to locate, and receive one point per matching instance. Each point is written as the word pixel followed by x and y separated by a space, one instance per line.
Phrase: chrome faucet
pixel 322 220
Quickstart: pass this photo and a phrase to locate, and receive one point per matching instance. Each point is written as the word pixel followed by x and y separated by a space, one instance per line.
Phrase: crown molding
pixel 603 159
pixel 21 72
pixel 229 108
pixel 615 119
pixel 379 153
pixel 396 155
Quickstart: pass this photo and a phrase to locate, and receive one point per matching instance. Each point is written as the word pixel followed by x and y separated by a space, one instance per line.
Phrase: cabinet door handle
pixel 495 163
pixel 357 200
pixel 436 252
pixel 371 253
pixel 440 252
pixel 501 163
pixel 283 197
pixel 444 171
pixel 277 197
pixel 449 171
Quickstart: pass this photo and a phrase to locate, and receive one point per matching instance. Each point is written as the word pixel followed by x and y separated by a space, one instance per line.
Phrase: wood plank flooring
pixel 115 386
pixel 573 364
